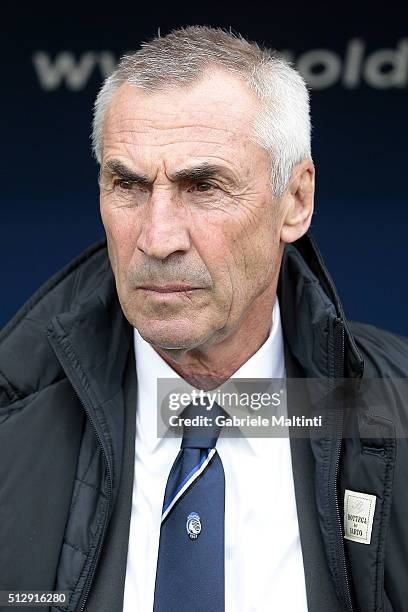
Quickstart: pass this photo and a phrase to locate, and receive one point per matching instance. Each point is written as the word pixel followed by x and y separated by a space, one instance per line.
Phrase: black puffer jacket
pixel 62 361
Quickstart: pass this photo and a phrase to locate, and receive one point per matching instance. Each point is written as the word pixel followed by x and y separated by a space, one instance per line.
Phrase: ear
pixel 298 202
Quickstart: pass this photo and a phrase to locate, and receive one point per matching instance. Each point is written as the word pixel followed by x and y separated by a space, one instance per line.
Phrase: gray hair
pixel 180 58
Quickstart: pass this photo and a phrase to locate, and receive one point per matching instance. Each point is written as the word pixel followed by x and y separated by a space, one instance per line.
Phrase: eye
pixel 203 186
pixel 124 184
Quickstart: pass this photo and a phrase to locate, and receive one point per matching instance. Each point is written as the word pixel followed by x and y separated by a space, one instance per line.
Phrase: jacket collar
pixel 311 309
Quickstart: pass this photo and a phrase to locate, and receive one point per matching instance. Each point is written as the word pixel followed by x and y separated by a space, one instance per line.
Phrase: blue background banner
pixel 356 63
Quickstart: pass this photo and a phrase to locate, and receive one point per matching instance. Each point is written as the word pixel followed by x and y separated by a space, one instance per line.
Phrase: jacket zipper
pixel 341 547
pixel 85 405
pixel 339 361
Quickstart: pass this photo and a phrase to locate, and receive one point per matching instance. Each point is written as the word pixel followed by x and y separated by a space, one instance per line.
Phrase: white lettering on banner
pixel 66 69
pixel 321 68
pixel 397 61
pixel 329 64
pixel 352 63
pixel 381 69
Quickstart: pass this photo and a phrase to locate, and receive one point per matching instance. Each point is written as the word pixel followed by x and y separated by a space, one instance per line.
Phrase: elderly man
pixel 206 196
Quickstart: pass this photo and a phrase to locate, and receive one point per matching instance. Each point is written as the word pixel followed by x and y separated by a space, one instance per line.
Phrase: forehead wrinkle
pixel 172 137
pixel 177 142
pixel 218 122
pixel 155 128
pixel 196 116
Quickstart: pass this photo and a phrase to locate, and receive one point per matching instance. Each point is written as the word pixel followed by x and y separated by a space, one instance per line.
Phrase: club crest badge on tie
pixel 193 525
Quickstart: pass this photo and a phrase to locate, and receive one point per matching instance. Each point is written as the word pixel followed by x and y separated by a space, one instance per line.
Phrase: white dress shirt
pixel 263 556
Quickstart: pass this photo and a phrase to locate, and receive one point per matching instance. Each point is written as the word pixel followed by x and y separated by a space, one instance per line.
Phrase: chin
pixel 176 334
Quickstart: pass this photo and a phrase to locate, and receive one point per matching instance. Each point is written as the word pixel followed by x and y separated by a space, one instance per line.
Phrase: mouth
pixel 168 289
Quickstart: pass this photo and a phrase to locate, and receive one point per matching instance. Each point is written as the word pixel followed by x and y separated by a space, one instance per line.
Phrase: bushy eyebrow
pixel 200 172
pixel 116 167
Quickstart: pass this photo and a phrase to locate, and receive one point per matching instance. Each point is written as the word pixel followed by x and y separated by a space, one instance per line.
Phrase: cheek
pixel 255 252
pixel 261 259
pixel 219 243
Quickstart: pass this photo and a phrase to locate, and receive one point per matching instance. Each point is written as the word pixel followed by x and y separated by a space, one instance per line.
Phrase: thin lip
pixel 168 288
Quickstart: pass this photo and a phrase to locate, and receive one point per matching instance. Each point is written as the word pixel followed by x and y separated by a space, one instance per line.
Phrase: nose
pixel 164 228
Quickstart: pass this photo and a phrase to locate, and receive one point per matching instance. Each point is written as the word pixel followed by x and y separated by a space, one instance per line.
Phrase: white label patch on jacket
pixel 358 516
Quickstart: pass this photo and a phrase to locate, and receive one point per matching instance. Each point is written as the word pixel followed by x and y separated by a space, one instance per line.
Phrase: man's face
pixel 185 201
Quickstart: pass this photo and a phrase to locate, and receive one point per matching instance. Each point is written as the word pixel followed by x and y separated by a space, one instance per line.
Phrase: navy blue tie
pixel 190 565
